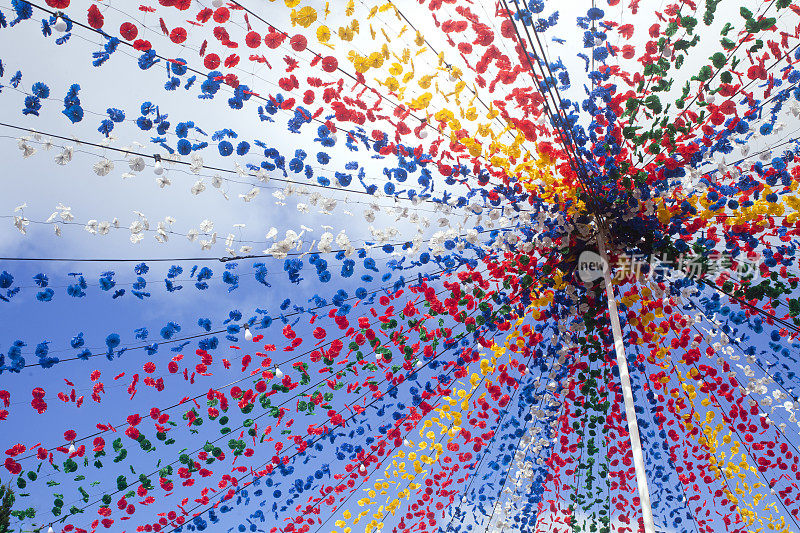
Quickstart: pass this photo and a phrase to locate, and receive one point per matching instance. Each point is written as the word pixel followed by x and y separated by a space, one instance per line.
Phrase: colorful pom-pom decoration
pixel 358 266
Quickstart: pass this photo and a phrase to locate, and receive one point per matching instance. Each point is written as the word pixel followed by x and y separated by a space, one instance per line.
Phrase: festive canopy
pixel 371 266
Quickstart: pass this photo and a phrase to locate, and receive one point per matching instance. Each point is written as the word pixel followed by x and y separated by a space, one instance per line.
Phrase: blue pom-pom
pixel 595 13
pixel 41 90
pixel 225 148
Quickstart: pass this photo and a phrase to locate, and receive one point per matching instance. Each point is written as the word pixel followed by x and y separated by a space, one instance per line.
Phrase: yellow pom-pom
pixel 323 34
pixel 305 17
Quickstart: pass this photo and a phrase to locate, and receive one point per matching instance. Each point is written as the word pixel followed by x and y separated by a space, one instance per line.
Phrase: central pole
pixel 627 392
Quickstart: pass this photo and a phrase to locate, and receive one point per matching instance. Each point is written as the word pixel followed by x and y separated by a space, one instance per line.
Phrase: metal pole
pixel 627 392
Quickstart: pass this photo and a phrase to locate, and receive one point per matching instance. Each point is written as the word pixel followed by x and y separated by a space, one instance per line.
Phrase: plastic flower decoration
pixel 392 266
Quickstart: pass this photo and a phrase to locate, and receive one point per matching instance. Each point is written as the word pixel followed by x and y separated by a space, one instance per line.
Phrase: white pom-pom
pixel 61 27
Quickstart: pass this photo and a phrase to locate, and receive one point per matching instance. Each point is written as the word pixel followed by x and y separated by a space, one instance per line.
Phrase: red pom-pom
pixel 129 31
pixel 95 17
pixel 211 62
pixel 628 51
pixel 38 402
pixel 273 39
pixel 142 45
pixel 58 4
pixel 13 466
pixel 204 15
pixel 330 64
pixel 232 80
pixel 298 43
pixel 178 35
pixel 221 15
pixel 231 61
pixel 69 435
pixel 507 29
pixel 253 39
